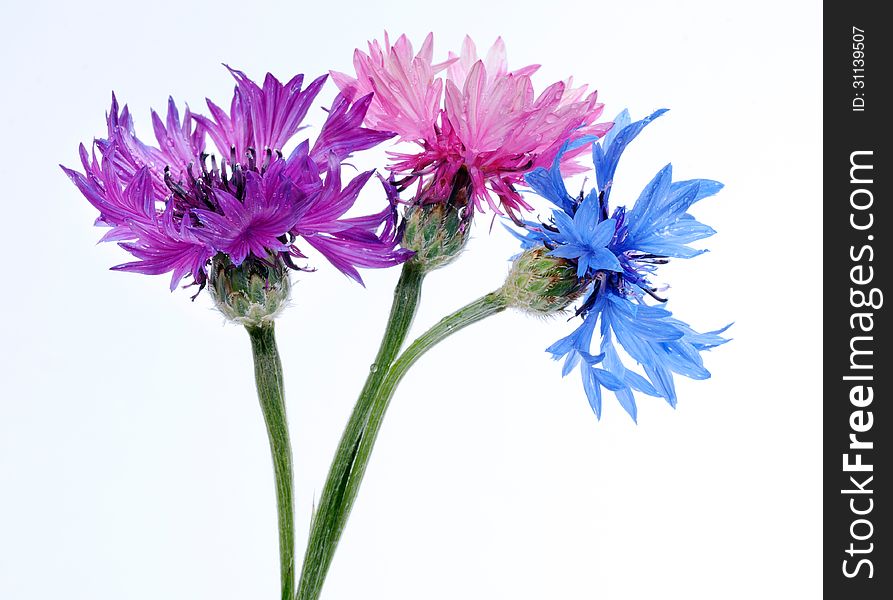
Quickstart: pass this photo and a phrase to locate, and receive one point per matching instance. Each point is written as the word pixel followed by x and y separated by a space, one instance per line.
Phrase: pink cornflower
pixel 471 113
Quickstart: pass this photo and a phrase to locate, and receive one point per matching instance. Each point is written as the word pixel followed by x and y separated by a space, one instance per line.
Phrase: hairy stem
pixel 347 476
pixel 331 514
pixel 270 392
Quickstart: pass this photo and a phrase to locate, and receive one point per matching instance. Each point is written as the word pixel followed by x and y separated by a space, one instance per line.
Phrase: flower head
pixel 479 117
pixel 616 255
pixel 174 206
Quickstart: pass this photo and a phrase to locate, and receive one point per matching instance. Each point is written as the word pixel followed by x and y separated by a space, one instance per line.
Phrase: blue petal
pixel 562 346
pixel 704 187
pixel 571 360
pixel 612 359
pixel 706 341
pixel 577 143
pixel 590 359
pixel 682 358
pixel 593 391
pixel 665 247
pixel 659 224
pixel 550 185
pixel 580 339
pixel 628 402
pixel 662 379
pixel 567 227
pixel 602 233
pixel 586 218
pixel 568 251
pixel 646 311
pixel 687 230
pixel 583 264
pixel 653 329
pixel 623 304
pixel 602 259
pixel 608 379
pixel 646 209
pixel 639 383
pixel 620 122
pixel 529 238
pixel 607 157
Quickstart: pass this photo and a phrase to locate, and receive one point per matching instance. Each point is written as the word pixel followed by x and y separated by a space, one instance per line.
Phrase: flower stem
pixel 349 474
pixel 270 392
pixel 332 512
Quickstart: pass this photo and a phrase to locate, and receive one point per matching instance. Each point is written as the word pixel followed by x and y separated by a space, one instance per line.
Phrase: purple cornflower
pixel 176 206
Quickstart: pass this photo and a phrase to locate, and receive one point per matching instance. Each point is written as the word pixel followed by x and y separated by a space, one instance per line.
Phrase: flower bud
pixel 541 283
pixel 252 293
pixel 438 231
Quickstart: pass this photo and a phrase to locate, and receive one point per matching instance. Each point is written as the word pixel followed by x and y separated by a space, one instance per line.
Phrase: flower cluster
pixel 225 199
pixel 614 256
pixel 471 118
pixel 175 206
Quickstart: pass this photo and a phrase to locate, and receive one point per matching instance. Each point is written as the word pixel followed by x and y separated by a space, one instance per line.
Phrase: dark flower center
pixel 197 191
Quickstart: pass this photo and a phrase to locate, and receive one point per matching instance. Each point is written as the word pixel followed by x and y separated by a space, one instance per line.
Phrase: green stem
pixel 270 392
pixel 478 310
pixel 331 514
pixel 350 475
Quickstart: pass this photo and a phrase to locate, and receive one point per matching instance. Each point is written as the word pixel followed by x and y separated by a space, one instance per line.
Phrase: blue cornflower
pixel 616 254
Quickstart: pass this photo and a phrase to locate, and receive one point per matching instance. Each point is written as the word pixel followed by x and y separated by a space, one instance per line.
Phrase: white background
pixel 133 458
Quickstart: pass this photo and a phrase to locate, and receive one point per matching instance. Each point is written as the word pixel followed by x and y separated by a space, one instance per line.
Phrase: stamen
pixel 238 181
pixel 511 214
pixel 173 186
pixel 290 263
pixel 648 259
pixel 201 286
pixel 549 227
pixel 650 292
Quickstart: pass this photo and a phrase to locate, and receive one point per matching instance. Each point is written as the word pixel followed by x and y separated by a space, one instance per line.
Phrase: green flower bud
pixel 252 293
pixel 438 231
pixel 540 283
